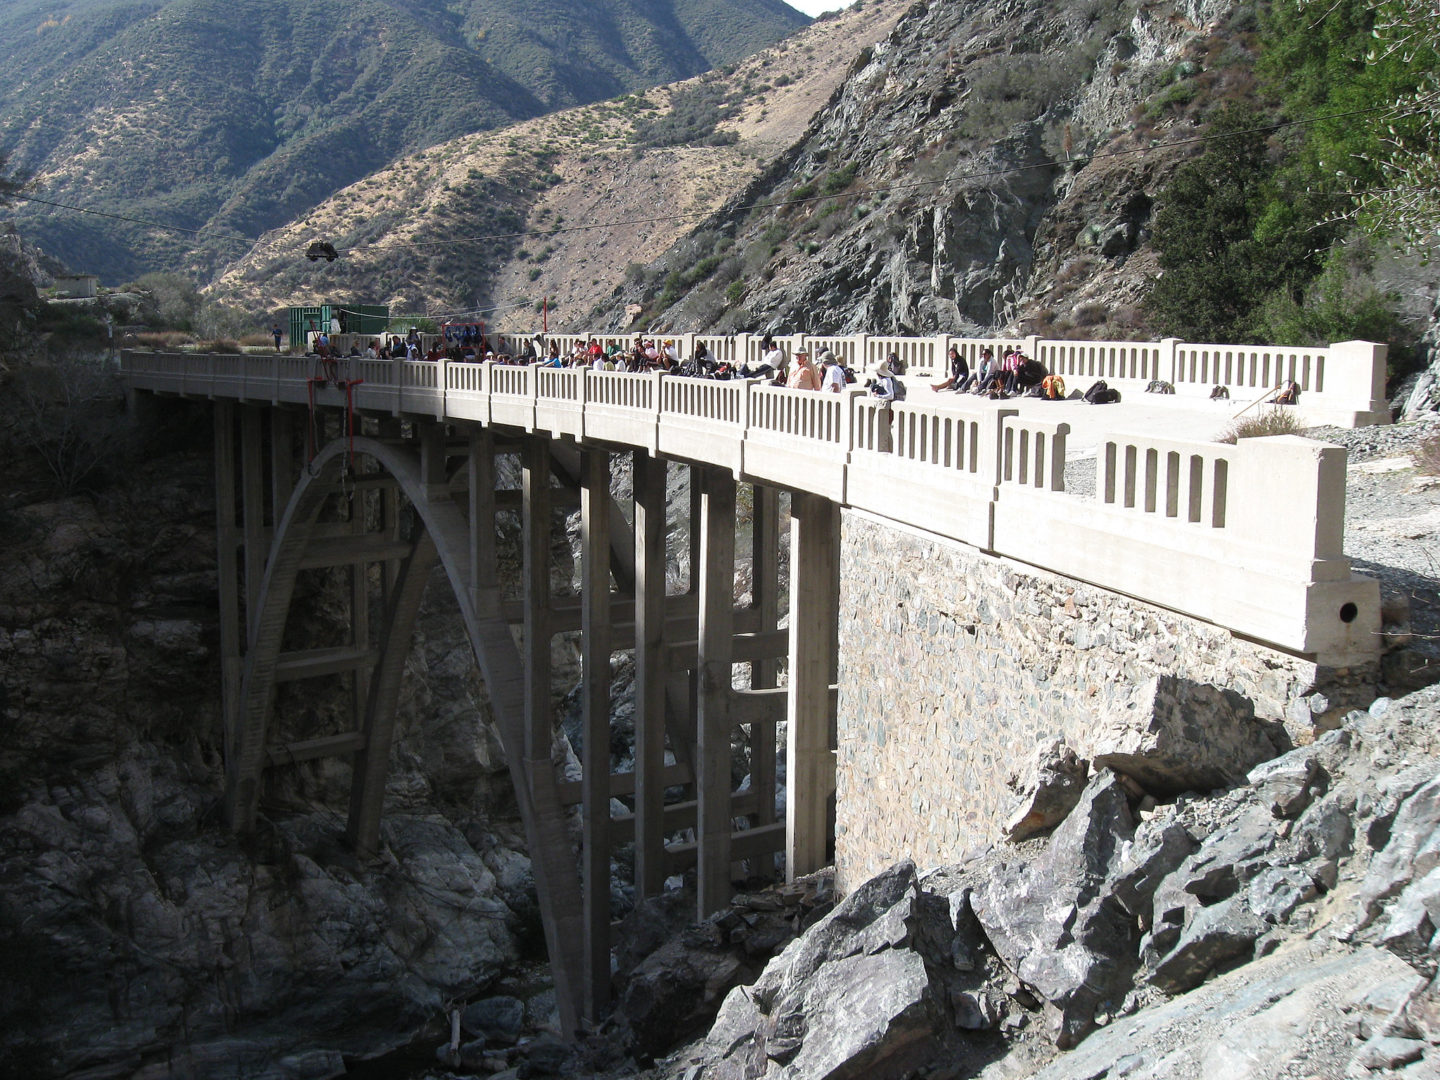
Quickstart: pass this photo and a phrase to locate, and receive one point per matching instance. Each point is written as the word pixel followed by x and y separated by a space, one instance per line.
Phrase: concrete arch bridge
pixel 394 475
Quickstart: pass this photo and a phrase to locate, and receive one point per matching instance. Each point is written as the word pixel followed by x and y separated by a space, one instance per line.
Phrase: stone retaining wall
pixel 956 666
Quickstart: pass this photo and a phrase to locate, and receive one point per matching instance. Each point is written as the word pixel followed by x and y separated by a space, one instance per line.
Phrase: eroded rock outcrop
pixel 1291 920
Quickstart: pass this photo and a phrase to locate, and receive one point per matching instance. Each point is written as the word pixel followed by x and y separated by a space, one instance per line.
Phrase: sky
pixel 817 7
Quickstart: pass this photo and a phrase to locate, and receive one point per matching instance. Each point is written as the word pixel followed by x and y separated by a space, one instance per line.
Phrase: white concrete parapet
pixel 1249 536
pixel 1341 384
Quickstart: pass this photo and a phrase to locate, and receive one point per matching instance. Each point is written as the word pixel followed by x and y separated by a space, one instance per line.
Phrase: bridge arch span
pixel 444 538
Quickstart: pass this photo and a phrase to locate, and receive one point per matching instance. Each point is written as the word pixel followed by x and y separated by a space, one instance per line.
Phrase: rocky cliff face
pixel 1283 927
pixel 137 938
pixel 997 166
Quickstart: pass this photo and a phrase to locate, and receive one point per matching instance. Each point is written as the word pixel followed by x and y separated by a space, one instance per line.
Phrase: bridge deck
pixel 1249 537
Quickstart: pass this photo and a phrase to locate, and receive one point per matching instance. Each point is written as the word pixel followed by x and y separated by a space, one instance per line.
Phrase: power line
pixel 134 220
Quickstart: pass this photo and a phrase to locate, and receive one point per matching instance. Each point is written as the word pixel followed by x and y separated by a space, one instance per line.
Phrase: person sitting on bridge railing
pixel 771 366
pixel 1029 375
pixel 885 386
pixel 1010 368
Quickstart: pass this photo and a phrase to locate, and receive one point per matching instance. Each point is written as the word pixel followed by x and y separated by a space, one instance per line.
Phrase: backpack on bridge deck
pixel 1160 386
pixel 1053 387
pixel 1288 394
pixel 1101 394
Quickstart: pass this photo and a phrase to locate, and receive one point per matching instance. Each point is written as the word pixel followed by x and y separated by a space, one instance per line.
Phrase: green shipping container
pixel 304 319
pixel 354 319
pixel 366 318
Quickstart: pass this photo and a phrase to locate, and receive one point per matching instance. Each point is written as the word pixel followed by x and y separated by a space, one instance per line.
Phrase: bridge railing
pixel 1032 453
pixel 1183 481
pixel 1341 383
pixel 1249 536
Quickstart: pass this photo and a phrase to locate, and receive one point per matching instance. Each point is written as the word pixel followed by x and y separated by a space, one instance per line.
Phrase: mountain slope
pixel 404 229
pixel 237 115
pixel 940 167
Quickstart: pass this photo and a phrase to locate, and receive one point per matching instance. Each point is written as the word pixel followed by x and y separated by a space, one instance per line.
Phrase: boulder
pixel 1053 923
pixel 1228 860
pixel 1047 792
pixel 1277 891
pixel 499 1019
pixel 1410 931
pixel 1412 851
pixel 848 997
pixel 1174 735
pixel 854 1014
pixel 1388 1052
pixel 1158 848
pixel 872 918
pixel 1288 784
pixel 1213 936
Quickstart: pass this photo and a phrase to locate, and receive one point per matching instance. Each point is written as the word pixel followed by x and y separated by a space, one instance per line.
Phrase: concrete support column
pixel 432 461
pixel 367 787
pixel 535 535
pixel 716 575
pixel 483 568
pixel 282 462
pixel 765 591
pixel 252 498
pixel 595 719
pixel 696 525
pixel 814 611
pixel 228 570
pixel 649 488
pixel 359 605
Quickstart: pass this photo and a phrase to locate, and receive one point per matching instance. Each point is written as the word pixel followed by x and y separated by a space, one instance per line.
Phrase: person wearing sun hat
pixel 884 386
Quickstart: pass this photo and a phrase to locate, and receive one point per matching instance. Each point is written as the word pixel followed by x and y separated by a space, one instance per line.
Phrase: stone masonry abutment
pixel 957 666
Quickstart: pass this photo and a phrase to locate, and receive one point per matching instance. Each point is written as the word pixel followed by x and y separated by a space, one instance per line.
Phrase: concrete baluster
pixel 1168 361
pixel 992 444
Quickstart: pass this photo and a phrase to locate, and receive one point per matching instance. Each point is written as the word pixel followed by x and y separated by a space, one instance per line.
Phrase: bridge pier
pixel 814 609
pixel 716 575
pixel 284 505
pixel 595 627
pixel 648 476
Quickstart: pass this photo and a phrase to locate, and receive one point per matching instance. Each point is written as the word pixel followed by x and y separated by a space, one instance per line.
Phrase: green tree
pixel 1229 233
pixel 167 300
pixel 1368 74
